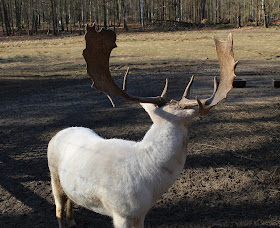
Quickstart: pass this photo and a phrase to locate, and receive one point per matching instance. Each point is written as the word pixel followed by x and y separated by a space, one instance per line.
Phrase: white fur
pixel 119 178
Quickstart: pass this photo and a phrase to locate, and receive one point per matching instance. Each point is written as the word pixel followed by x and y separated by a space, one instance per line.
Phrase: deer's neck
pixel 164 148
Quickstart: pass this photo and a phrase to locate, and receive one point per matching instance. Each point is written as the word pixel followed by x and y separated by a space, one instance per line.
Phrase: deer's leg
pixel 121 222
pixel 69 214
pixel 59 199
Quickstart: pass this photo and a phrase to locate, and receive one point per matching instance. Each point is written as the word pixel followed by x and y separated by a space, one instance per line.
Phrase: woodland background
pixel 31 17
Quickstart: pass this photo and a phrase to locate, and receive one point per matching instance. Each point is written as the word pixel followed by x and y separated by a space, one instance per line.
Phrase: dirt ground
pixel 231 176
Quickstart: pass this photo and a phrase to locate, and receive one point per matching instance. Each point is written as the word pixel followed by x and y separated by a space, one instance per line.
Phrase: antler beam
pixel 99 45
pixel 225 55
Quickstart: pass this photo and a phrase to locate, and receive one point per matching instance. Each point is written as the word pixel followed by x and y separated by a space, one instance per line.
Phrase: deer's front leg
pixel 69 214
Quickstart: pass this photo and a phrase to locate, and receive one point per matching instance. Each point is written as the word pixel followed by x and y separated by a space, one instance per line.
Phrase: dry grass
pixel 198 45
pixel 42 57
pixel 48 57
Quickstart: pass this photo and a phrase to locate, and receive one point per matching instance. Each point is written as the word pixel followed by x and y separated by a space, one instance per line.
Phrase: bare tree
pixel 54 16
pixel 27 16
pixel 265 17
pixel 105 13
pixel 6 17
pixel 124 8
pixel 142 13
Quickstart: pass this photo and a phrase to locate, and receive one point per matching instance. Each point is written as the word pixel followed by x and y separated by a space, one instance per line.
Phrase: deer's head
pixel 99 45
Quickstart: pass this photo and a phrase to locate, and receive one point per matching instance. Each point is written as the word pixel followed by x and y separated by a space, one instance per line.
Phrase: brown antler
pixel 97 54
pixel 227 68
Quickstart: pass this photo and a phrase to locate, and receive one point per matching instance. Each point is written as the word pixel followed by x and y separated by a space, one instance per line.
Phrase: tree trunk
pixel 124 15
pixel 114 12
pixel 265 18
pixel 54 16
pixel 70 14
pixel 105 13
pixel 257 13
pixel 84 14
pixel 239 15
pixel 6 18
pixel 2 21
pixel 11 17
pixel 163 10
pixel 142 13
pixel 61 15
pixel 18 4
pixel 203 2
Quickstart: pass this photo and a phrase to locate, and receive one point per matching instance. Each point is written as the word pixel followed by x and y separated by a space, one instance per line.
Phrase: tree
pixel 142 13
pixel 124 7
pixel 54 16
pixel 105 13
pixel 28 16
pixel 6 18
pixel 265 17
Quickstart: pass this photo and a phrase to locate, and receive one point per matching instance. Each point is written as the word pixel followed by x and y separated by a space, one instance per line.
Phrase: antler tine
pixel 125 79
pixel 187 91
pixel 215 84
pixel 111 100
pixel 164 92
pixel 208 101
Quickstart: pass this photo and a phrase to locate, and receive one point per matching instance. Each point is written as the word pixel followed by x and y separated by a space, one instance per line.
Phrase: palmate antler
pixel 227 68
pixel 97 53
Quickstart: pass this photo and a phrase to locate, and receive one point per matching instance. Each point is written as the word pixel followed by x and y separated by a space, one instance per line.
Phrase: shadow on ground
pixel 238 139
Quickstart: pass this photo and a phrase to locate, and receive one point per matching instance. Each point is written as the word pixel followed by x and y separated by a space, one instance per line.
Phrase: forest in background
pixel 21 17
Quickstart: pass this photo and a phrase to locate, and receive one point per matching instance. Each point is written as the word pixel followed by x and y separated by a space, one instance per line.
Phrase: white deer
pixel 120 178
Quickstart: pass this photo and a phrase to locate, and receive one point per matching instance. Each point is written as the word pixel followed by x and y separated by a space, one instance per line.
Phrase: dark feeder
pixel 237 83
pixel 276 83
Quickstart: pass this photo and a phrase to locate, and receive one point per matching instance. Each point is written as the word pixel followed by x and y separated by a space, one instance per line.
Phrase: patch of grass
pixel 22 57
